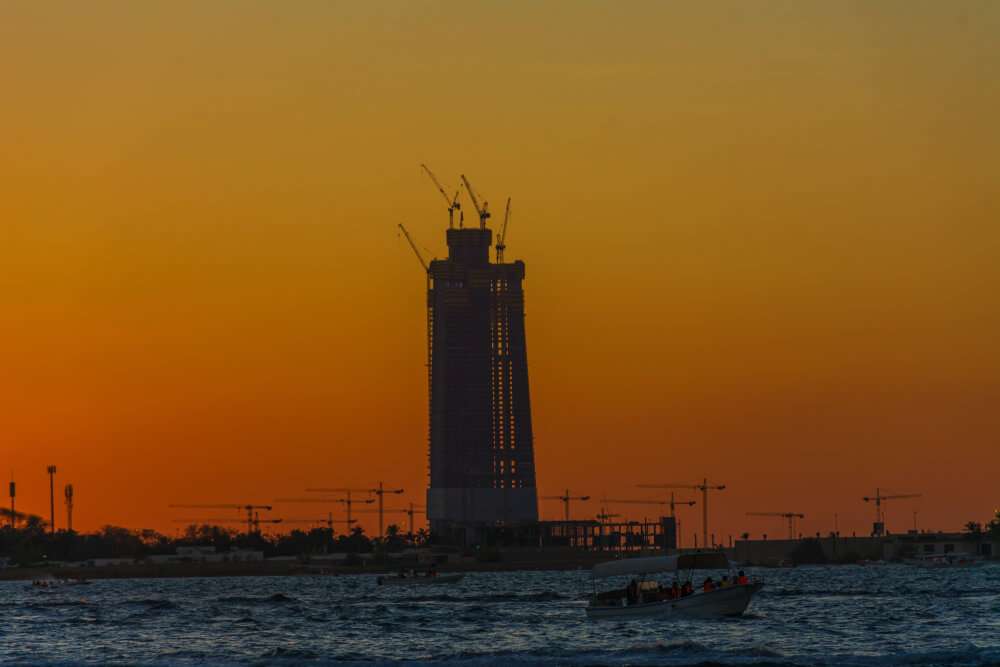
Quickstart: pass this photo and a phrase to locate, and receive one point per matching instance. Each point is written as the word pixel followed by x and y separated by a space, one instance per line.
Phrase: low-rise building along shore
pixel 839 549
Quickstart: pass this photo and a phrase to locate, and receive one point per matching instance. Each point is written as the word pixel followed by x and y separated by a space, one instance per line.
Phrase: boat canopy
pixel 713 560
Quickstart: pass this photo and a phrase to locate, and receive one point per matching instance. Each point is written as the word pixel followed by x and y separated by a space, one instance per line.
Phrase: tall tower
pixel 482 464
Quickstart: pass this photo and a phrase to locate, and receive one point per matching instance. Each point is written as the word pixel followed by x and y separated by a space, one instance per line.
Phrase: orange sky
pixel 761 240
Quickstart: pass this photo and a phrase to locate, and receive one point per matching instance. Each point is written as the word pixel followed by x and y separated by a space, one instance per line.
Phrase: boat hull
pixel 719 603
pixel 420 581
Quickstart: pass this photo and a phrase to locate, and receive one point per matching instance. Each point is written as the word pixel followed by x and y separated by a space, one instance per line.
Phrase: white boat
pixel 648 598
pixel 945 560
pixel 419 580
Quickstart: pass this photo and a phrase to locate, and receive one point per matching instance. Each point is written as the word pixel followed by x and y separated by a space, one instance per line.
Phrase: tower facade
pixel 482 464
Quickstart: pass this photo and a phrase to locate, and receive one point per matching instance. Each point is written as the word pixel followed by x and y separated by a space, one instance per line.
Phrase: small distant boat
pixel 419 579
pixel 53 582
pixel 945 560
pixel 649 598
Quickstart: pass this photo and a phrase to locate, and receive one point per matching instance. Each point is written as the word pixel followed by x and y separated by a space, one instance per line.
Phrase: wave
pixel 52 604
pixel 153 603
pixel 667 654
pixel 862 592
pixel 545 596
pixel 277 598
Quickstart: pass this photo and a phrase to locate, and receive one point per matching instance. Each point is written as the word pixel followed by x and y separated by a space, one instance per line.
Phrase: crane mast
pixel 704 487
pixel 347 501
pixel 566 498
pixel 501 238
pixel 879 528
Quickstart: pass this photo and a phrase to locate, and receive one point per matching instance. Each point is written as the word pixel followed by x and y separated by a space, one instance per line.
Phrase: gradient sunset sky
pixel 762 244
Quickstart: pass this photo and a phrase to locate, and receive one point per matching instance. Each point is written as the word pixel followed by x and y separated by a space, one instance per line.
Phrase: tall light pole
pixel 52 499
pixel 13 513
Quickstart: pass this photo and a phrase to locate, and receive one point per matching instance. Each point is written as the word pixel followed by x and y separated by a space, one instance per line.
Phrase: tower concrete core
pixel 482 464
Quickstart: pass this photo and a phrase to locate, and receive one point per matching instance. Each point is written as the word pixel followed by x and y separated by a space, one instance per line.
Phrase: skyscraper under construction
pixel 482 464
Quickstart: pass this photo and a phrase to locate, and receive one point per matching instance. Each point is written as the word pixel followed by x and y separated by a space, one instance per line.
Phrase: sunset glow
pixel 761 246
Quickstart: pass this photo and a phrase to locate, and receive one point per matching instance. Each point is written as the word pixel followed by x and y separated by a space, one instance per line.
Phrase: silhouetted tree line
pixel 991 529
pixel 32 543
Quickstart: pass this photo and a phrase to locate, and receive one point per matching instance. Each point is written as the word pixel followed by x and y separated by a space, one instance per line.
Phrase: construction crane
pixel 704 487
pixel 791 516
pixel 672 503
pixel 409 515
pixel 347 500
pixel 566 498
pixel 379 491
pixel 420 258
pixel 879 528
pixel 249 508
pixel 453 203
pixel 502 236
pixel 483 211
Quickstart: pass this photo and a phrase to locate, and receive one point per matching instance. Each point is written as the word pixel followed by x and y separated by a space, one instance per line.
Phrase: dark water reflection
pixel 807 616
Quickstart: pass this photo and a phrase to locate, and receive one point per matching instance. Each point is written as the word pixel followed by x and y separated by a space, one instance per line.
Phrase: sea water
pixel 875 615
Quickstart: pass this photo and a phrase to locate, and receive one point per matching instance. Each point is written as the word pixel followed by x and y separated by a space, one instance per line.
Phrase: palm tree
pixel 994 526
pixel 974 528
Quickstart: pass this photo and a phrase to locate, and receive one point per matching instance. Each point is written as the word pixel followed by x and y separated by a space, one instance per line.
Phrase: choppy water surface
pixel 807 616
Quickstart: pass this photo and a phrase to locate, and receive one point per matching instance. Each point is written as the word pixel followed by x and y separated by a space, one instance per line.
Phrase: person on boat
pixel 632 592
pixel 708 586
pixel 687 589
pixel 725 581
pixel 741 579
pixel 675 591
